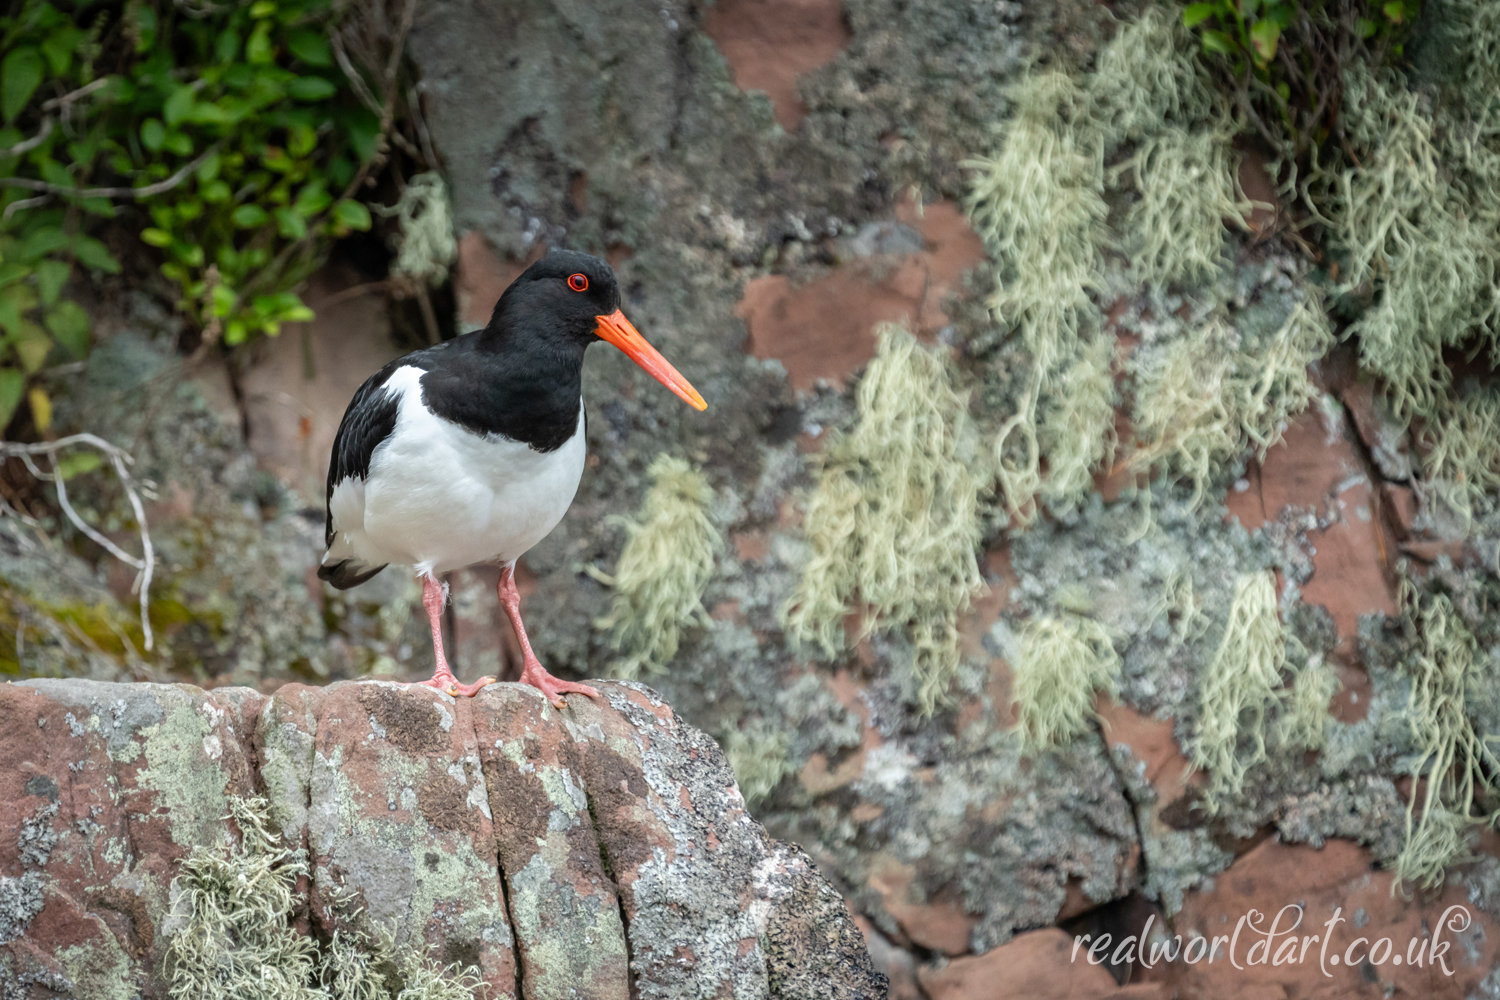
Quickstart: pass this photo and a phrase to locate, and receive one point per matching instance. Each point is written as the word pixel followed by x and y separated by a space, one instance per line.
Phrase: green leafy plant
pixel 1285 58
pixel 231 139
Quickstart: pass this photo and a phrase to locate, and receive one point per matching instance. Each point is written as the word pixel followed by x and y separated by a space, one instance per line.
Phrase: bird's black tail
pixel 348 573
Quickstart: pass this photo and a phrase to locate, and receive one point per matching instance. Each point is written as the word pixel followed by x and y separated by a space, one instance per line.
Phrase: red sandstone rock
pixel 1316 467
pixel 1033 966
pixel 611 821
pixel 825 330
pixel 771 43
pixel 1338 880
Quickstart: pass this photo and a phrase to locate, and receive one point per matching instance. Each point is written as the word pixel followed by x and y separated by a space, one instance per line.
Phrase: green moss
pixel 1063 662
pixel 893 524
pixel 665 567
pixel 230 934
pixel 1455 760
pixel 1237 686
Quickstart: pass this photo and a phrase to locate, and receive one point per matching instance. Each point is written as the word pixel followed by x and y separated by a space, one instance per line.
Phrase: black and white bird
pixel 471 451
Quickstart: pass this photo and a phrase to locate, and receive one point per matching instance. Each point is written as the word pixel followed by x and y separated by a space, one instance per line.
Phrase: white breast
pixel 439 497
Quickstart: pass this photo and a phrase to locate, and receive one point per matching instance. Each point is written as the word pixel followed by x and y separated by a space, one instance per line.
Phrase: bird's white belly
pixel 439 497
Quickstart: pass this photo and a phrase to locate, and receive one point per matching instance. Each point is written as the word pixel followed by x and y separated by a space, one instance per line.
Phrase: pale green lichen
pixel 663 570
pixel 192 793
pixel 1203 398
pixel 1420 235
pixel 758 755
pixel 1237 687
pixel 893 524
pixel 1304 715
pixel 1039 204
pixel 1174 231
pixel 1077 429
pixel 230 933
pixel 1064 661
pixel 1455 761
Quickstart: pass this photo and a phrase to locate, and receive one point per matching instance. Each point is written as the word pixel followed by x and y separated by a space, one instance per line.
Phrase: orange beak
pixel 618 330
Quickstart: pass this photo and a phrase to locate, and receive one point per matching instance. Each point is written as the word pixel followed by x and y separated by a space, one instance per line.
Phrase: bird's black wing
pixel 369 420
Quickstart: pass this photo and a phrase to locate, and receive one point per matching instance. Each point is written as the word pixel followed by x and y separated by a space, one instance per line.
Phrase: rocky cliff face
pixel 598 852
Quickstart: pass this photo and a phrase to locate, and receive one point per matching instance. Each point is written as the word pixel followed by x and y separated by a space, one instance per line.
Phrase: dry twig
pixel 120 460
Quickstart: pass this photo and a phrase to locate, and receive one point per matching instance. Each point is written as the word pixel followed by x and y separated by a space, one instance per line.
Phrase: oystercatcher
pixel 471 451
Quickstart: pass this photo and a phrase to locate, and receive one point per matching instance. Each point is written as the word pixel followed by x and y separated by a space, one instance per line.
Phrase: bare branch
pixel 120 460
pixel 116 192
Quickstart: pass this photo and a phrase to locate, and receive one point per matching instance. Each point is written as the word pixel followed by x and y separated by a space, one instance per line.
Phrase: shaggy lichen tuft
pixel 1455 761
pixel 1204 397
pixel 1304 712
pixel 1063 662
pixel 1237 686
pixel 231 936
pixel 663 570
pixel 893 524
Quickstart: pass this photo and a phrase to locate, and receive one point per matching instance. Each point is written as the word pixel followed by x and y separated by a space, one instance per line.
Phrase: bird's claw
pixel 450 686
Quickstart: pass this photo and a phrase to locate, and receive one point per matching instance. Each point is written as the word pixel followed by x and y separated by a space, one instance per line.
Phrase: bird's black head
pixel 560 297
pixel 563 303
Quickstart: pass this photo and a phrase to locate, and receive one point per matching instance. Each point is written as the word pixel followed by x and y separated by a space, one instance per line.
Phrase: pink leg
pixel 533 672
pixel 442 678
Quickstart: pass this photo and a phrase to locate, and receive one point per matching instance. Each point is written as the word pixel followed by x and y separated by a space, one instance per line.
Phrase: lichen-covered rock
pixel 597 852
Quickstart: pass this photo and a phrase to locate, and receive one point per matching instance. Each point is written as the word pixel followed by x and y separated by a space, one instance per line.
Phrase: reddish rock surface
pixel 1338 880
pixel 1039 965
pixel 771 43
pixel 1317 469
pixel 824 330
pixel 481 276
pixel 295 393
pixel 627 865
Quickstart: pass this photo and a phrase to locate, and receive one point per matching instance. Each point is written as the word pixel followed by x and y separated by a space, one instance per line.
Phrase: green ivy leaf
pixel 51 275
pixel 227 45
pixel 92 254
pixel 79 463
pixel 215 192
pixel 258 51
pixel 1195 14
pixel 153 134
pixel 1263 37
pixel 1396 11
pixel 249 216
pixel 177 142
pixel 1217 41
pixel 145 26
pixel 351 214
pixel 60 46
pixel 20 75
pixel 206 113
pixel 179 105
pixel 310 46
pixel 12 388
pixel 290 224
pixel 41 242
pixel 69 324
pixel 311 88
pixel 32 345
pixel 221 300
pixel 156 237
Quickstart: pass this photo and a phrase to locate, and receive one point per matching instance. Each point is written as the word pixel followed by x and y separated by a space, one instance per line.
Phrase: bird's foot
pixel 449 685
pixel 552 687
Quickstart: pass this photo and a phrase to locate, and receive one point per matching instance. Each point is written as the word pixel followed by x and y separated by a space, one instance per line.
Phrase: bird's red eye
pixel 578 282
